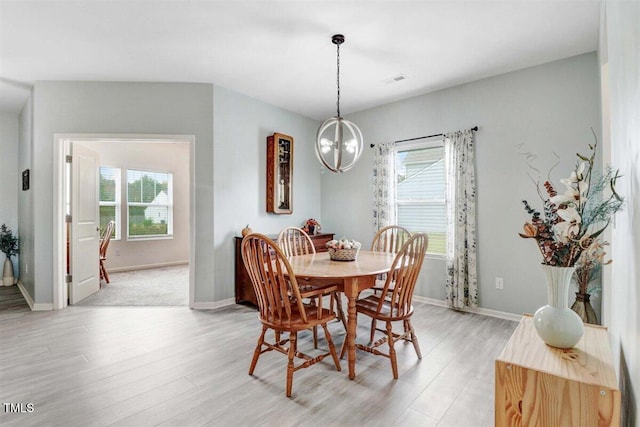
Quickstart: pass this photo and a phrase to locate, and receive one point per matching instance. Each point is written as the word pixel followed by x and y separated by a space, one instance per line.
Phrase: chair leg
pixel 332 348
pixel 103 272
pixel 414 339
pixel 315 337
pixel 373 331
pixel 290 368
pixel 392 352
pixel 343 347
pixel 256 352
pixel 341 315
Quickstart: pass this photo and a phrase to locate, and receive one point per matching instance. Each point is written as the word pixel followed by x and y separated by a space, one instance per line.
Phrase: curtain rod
pixel 475 129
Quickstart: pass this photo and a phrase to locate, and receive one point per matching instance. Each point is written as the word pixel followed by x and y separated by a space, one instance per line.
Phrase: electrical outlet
pixel 499 283
pixel 117 251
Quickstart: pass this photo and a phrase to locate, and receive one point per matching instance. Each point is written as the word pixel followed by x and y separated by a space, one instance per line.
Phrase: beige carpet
pixel 158 286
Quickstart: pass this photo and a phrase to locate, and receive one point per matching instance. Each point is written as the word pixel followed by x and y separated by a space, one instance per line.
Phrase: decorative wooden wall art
pixel 280 174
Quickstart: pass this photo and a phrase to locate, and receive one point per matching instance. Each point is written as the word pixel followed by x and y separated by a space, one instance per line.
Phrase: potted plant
pixel 8 245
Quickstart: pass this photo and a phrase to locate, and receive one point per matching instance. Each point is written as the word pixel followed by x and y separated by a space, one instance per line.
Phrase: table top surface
pixel 319 265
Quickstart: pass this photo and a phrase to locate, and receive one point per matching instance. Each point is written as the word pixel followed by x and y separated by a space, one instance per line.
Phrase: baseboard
pixel 145 266
pixel 479 310
pixel 213 305
pixel 32 305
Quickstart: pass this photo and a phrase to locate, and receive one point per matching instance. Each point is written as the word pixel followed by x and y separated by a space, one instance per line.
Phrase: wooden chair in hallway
pixel 104 245
pixel 295 241
pixel 394 302
pixel 280 305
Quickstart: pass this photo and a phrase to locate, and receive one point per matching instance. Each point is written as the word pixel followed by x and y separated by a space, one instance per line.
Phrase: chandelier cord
pixel 338 77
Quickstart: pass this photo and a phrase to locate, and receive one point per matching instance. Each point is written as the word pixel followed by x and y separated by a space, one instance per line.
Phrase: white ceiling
pixel 281 52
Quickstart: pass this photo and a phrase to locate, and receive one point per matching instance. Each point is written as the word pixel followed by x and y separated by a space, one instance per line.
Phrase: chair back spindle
pixel 390 239
pixel 295 241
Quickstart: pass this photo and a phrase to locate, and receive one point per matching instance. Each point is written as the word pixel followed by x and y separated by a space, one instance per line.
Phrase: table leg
pixel 351 291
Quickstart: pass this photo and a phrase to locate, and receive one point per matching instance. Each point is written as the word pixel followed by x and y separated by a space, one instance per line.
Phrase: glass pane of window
pixel 107 213
pixel 109 188
pixel 147 187
pixel 148 220
pixel 420 194
pixel 149 196
pixel 430 219
pixel 108 183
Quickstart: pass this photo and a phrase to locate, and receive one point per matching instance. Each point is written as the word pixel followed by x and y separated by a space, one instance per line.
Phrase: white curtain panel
pixel 462 281
pixel 383 185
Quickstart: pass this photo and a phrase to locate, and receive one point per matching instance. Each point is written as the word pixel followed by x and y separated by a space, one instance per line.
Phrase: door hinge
pixel 67 218
pixel 68 158
pixel 68 278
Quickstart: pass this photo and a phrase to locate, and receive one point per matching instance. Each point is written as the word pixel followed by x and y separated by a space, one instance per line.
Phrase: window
pixel 420 192
pixel 110 199
pixel 150 204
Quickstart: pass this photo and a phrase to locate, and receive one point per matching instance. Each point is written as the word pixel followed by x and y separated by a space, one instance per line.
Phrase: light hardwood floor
pixel 171 366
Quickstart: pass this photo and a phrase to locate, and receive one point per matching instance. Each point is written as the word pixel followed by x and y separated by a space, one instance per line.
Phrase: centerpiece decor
pixel 571 224
pixel 343 249
pixel 311 226
pixel 8 245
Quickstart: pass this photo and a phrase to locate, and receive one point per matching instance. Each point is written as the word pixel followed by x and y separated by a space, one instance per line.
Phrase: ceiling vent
pixel 395 79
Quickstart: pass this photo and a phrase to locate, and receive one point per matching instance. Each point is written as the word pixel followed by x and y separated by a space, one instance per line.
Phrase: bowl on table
pixel 343 249
pixel 343 254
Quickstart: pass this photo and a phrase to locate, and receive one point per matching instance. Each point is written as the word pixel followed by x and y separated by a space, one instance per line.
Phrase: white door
pixel 85 224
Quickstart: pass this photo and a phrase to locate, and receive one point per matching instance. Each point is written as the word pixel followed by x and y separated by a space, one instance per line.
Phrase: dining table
pixel 351 278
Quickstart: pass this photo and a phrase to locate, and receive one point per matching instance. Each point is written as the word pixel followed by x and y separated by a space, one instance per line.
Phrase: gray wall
pixel 25 199
pixel 241 127
pixel 620 43
pixel 549 108
pixel 10 177
pixel 128 108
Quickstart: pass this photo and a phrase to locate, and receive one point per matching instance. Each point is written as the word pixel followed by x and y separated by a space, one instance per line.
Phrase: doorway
pixel 138 244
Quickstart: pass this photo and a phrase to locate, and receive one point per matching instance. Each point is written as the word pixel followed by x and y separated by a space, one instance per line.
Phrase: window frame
pixel 434 142
pixel 169 205
pixel 118 199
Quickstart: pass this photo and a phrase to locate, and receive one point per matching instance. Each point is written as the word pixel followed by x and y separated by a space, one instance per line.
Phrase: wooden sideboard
pixel 539 385
pixel 244 288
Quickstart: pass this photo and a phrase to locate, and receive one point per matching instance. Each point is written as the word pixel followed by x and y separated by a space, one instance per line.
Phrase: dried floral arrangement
pixel 589 265
pixel 572 221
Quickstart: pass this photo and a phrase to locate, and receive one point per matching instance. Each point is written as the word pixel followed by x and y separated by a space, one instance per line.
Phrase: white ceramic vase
pixel 7 273
pixel 556 323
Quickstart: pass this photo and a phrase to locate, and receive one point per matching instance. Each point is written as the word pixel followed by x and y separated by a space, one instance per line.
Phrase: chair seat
pixel 369 306
pixel 313 319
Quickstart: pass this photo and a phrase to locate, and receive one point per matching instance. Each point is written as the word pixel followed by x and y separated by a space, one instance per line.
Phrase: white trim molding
pixel 479 310
pixel 32 305
pixel 213 305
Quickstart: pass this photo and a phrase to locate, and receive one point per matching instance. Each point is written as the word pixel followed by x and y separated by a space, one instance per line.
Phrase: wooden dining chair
pixel 104 245
pixel 295 241
pixel 280 305
pixel 387 239
pixel 393 304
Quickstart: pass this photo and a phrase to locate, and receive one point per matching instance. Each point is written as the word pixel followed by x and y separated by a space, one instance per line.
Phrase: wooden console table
pixel 539 385
pixel 244 288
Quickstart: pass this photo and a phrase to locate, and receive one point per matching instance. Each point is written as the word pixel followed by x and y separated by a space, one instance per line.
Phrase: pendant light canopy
pixel 338 140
